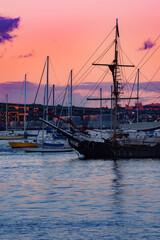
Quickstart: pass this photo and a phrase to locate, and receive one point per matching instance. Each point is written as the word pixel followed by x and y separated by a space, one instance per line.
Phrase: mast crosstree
pixel 114 68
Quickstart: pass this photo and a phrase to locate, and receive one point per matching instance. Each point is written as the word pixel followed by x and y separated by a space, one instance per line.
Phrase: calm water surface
pixel 57 196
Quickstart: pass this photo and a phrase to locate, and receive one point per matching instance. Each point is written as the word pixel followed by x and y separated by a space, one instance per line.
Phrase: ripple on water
pixel 57 196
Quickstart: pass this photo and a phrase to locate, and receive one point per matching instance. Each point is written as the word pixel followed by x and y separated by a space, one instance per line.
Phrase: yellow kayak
pixel 22 144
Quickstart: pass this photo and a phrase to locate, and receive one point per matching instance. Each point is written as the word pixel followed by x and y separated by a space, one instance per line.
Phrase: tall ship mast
pixel 122 145
pixel 114 68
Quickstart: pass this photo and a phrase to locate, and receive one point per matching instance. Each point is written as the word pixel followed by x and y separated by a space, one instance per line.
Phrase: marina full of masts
pixel 81 115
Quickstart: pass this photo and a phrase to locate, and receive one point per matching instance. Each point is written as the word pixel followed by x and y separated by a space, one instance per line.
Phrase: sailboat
pixel 119 145
pixel 25 143
pixel 9 134
pixel 48 143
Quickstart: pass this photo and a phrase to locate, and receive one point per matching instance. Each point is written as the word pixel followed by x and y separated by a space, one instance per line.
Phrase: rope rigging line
pixel 60 97
pixel 126 84
pixel 125 54
pixel 37 93
pixel 148 50
pixel 63 100
pixel 123 73
pixel 150 56
pixel 150 81
pixel 50 95
pixel 104 52
pixel 53 68
pixel 137 67
pixel 62 107
pixel 21 91
pixel 94 53
pixel 94 88
pixel 132 90
pixel 156 88
pixel 123 69
pixel 105 73
pixel 88 69
pixel 39 83
pixel 156 99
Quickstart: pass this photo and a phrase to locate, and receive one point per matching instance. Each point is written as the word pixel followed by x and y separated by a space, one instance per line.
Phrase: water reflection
pixel 118 189
pixel 59 197
pixel 117 181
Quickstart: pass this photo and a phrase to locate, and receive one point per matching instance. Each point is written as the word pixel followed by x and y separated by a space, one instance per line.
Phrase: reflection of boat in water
pixel 119 144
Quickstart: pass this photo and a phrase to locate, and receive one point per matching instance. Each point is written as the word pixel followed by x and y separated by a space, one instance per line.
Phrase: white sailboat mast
pixel 25 102
pixel 6 112
pixel 101 109
pixel 138 97
pixel 47 87
pixel 71 97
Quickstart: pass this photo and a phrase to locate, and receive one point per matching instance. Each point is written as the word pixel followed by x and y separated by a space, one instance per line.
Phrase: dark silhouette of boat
pixel 98 148
pixel 120 145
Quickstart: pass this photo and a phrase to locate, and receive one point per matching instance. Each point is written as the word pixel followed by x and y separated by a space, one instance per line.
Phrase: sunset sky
pixel 69 31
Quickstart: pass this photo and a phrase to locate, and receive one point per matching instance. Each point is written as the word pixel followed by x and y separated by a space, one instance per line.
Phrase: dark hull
pixel 109 150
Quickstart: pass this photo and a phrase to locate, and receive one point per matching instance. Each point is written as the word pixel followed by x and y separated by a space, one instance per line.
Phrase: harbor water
pixel 57 196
